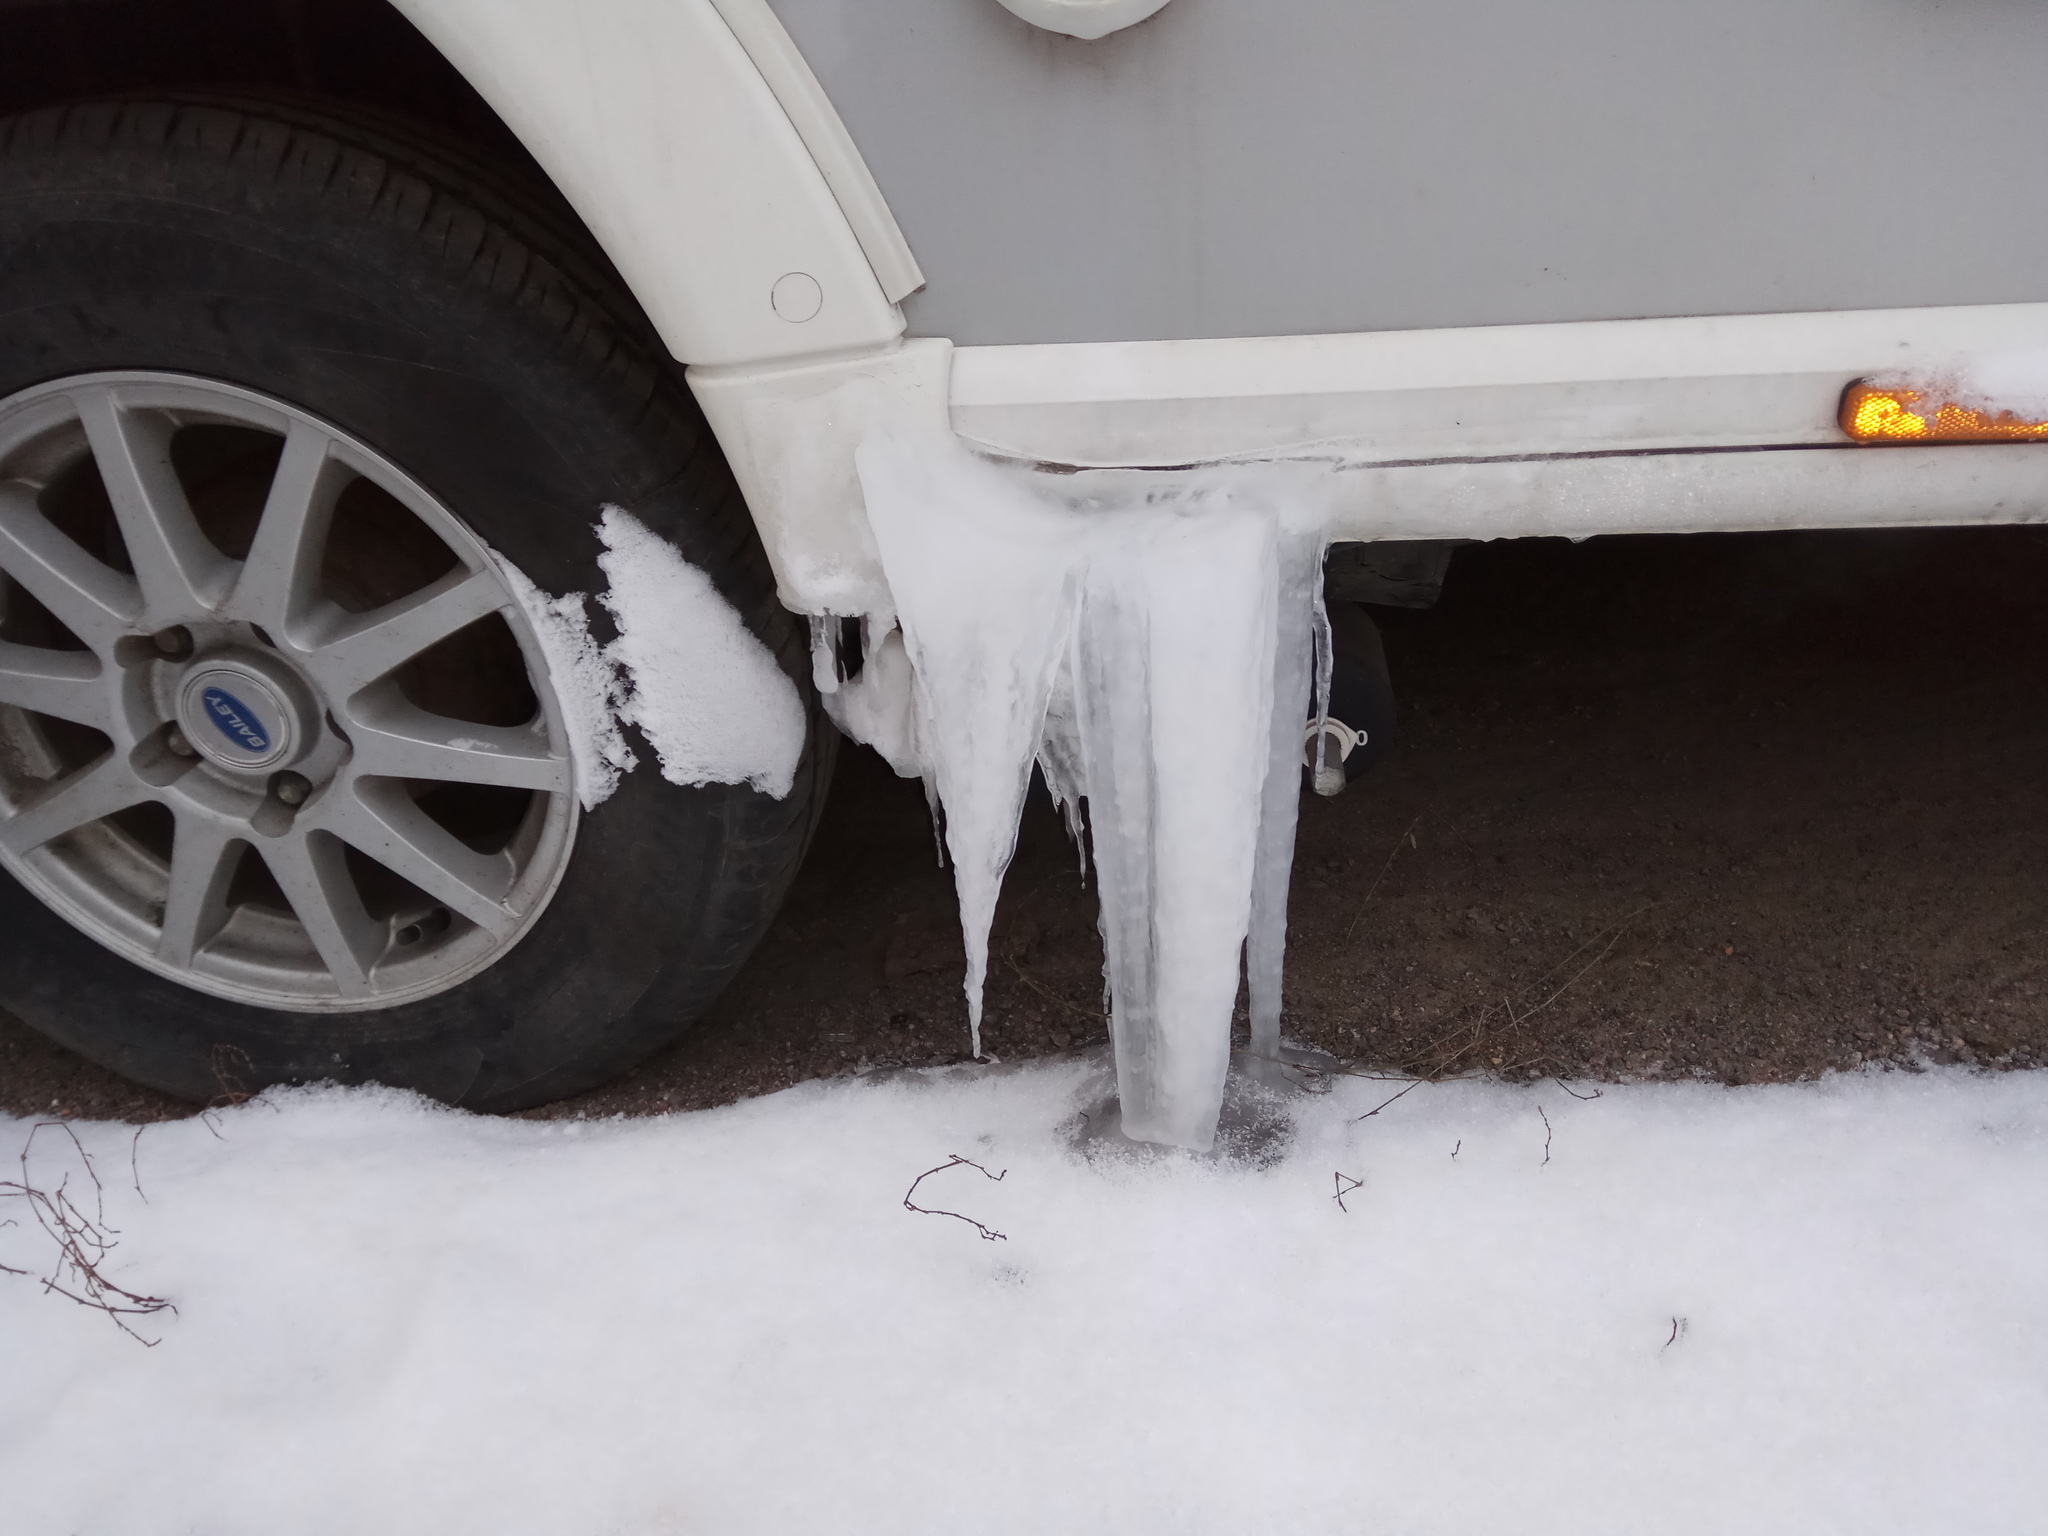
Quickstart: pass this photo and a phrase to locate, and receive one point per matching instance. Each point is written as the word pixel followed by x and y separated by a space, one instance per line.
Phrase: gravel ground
pixel 1746 807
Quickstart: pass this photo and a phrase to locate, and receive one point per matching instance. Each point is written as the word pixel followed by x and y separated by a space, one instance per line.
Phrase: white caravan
pixel 444 448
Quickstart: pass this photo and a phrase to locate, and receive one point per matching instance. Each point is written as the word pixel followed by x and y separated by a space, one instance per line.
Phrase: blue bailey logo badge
pixel 236 720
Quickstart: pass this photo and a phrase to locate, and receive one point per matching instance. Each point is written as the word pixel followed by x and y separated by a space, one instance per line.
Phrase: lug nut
pixel 174 642
pixel 179 746
pixel 291 788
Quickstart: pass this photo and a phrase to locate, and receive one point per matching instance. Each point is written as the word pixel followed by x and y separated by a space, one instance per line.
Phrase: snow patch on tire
pixel 587 686
pixel 710 698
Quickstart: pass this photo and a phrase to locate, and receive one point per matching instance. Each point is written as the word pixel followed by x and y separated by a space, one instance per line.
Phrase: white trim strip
pixel 1623 385
pixel 1577 351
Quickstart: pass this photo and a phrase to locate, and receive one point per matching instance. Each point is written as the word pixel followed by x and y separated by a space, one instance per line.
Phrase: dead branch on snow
pixel 988 1234
pixel 83 1238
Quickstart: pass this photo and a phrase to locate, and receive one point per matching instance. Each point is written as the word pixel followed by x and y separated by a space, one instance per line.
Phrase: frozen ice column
pixel 1173 677
pixel 1160 611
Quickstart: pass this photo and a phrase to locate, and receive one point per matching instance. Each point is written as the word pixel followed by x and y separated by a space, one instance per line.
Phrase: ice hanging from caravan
pixel 1147 638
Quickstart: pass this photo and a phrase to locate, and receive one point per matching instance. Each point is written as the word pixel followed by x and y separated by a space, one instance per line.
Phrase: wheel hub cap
pixel 241 714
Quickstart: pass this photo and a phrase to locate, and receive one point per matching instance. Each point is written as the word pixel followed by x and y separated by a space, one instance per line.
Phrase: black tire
pixel 459 323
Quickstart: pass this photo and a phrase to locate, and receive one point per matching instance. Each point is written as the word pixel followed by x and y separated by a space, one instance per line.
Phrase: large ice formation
pixel 1146 638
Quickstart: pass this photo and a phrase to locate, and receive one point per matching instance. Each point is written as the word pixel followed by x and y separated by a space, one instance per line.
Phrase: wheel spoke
pixel 91 599
pixel 312 871
pixel 382 821
pixel 109 785
pixel 377 643
pixel 280 581
pixel 61 683
pixel 401 742
pixel 182 575
pixel 203 858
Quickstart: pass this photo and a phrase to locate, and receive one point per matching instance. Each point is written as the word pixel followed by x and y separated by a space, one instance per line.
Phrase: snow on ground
pixel 1812 1309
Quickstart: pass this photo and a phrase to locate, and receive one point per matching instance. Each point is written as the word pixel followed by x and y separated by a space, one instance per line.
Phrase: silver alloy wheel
pixel 218 756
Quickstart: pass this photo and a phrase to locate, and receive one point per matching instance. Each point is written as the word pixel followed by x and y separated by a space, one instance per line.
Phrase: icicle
pixel 938 814
pixel 825 653
pixel 1304 633
pixel 1059 759
pixel 877 704
pixel 1322 735
pixel 1326 643
pixel 983 581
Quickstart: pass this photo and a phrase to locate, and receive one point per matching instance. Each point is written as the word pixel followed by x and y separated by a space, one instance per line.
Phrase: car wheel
pixel 286 785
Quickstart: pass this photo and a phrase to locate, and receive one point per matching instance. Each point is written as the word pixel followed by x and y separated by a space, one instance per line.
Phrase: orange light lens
pixel 1903 416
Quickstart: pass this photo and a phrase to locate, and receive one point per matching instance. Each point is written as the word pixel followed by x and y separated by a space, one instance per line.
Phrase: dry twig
pixel 84 1240
pixel 988 1234
pixel 229 1062
pixel 134 1172
pixel 1345 1184
pixel 1401 1095
pixel 1406 837
pixel 1445 1054
pixel 1051 996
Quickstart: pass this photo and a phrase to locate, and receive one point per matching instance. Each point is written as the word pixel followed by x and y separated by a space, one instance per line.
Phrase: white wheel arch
pixel 698 147
pixel 704 156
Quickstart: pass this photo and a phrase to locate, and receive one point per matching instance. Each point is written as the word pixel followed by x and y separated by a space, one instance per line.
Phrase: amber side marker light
pixel 1872 415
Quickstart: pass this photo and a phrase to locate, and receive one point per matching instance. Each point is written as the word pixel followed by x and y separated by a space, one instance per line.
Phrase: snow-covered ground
pixel 1802 1309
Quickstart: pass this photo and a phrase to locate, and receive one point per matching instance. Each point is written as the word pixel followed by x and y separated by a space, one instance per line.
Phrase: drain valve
pixel 1323 750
